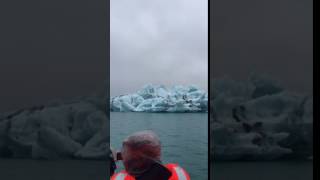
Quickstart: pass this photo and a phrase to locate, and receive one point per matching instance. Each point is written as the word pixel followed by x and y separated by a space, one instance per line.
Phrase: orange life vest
pixel 178 173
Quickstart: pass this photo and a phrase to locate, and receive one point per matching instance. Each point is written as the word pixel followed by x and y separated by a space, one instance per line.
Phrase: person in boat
pixel 141 157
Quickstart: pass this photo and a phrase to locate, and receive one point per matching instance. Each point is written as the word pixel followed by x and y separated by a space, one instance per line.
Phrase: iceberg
pixel 75 129
pixel 258 120
pixel 158 98
pixel 249 120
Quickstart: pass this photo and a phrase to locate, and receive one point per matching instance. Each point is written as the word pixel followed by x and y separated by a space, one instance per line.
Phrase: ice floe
pixel 73 129
pixel 258 120
pixel 158 98
pixel 250 120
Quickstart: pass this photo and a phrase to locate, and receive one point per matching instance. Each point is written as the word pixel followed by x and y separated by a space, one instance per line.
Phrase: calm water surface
pixel 272 170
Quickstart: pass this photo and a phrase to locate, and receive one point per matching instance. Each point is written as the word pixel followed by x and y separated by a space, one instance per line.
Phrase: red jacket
pixel 178 173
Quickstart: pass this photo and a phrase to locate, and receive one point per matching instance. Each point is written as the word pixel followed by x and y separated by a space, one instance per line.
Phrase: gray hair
pixel 147 142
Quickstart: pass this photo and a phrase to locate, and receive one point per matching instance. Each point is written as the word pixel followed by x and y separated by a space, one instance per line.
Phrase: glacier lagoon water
pixel 262 170
pixel 17 169
pixel 184 137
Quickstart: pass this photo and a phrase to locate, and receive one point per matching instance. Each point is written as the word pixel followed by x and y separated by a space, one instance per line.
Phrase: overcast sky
pixel 158 42
pixel 273 38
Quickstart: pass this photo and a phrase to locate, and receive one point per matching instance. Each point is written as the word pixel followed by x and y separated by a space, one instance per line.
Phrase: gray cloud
pixel 159 42
pixel 273 38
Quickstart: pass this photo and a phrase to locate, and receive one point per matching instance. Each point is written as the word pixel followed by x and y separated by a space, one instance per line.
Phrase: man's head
pixel 140 150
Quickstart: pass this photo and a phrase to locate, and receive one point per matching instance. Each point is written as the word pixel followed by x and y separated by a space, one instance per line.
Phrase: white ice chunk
pixel 158 98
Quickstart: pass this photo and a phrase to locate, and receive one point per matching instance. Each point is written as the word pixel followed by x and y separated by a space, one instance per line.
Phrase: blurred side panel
pixel 54 74
pixel 261 89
